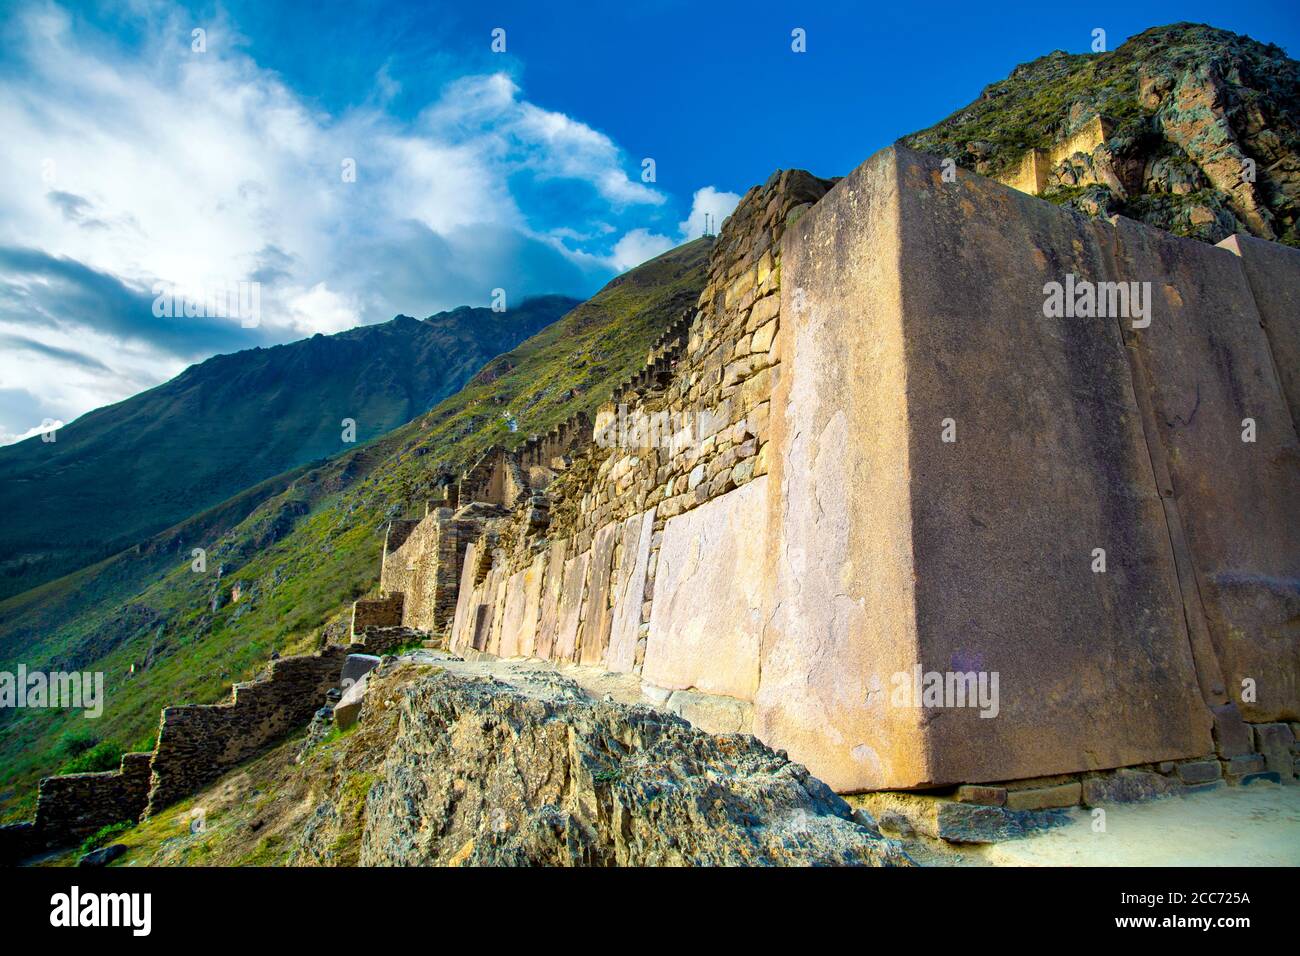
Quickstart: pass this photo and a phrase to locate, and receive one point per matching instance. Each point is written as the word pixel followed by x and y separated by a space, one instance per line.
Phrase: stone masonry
pixel 197 743
pixel 805 533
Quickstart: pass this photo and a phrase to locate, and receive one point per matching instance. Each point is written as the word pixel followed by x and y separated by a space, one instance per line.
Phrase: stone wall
pixel 197 743
pixel 1030 174
pixel 816 535
pixel 892 549
pixel 1040 168
pixel 74 806
pixel 377 612
pixel 1273 271
pixel 385 640
pixel 584 590
pixel 421 575
pixel 1203 368
pixel 714 388
pixel 708 597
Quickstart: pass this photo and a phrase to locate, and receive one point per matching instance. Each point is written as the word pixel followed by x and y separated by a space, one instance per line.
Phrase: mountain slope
pixel 312 544
pixel 124 472
pixel 1193 107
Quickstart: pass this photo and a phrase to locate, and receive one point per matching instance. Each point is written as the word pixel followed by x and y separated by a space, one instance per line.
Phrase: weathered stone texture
pixel 709 379
pixel 385 640
pixel 840 337
pixel 1273 271
pixel 71 807
pixel 712 713
pixel 1209 367
pixel 1276 744
pixel 940 818
pixel 74 806
pixel 539 773
pixel 512 618
pixel 923 302
pixel 837 500
pixel 708 598
pixel 533 581
pixel 638 531
pixel 376 612
pixel 355 667
pixel 463 619
pixel 1231 733
pixel 348 710
pixel 598 619
pixel 573 589
pixel 421 569
pixel 549 615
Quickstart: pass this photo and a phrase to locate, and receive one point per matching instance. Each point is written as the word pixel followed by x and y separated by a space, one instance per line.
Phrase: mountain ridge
pixel 228 423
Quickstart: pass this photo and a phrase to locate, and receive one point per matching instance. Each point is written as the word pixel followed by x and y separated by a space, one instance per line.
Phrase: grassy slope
pixel 254 815
pixel 310 549
pixel 122 473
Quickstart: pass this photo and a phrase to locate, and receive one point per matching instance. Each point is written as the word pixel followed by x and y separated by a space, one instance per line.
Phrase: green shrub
pixel 76 742
pixel 106 755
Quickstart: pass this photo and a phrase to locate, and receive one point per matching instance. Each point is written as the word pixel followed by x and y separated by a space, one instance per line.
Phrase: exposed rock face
pixel 1203 132
pixel 536 772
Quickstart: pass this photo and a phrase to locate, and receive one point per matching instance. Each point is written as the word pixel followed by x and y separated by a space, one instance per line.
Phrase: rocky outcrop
pixel 523 767
pixel 1201 133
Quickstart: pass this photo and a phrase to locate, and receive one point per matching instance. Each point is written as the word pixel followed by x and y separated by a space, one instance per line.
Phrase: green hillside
pixel 311 545
pixel 122 473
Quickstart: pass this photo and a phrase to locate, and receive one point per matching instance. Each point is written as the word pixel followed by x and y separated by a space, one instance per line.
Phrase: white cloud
pixel 709 200
pixel 319 309
pixel 637 246
pixel 202 170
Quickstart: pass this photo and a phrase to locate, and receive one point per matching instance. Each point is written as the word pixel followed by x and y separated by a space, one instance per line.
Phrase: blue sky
pixel 138 162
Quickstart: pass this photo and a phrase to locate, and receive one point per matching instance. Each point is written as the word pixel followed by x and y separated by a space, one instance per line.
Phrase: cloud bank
pixel 135 164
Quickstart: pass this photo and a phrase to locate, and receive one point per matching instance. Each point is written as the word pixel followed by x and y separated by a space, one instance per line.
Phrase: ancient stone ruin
pixel 1078 159
pixel 197 744
pixel 873 464
pixel 939 485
